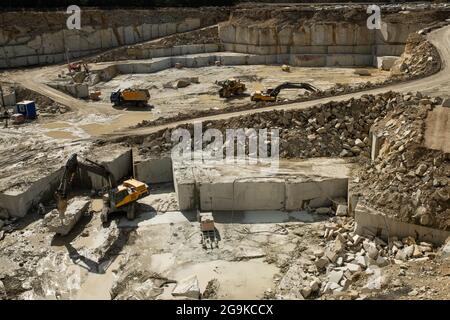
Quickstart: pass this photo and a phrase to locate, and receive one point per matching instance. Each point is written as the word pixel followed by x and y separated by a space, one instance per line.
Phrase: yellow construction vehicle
pixel 272 94
pixel 116 198
pixel 230 87
pixel 133 97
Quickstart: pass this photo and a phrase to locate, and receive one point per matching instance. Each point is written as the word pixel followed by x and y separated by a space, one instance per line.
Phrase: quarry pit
pixel 361 183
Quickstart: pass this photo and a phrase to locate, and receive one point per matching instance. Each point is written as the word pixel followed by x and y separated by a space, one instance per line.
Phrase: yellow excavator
pixel 272 94
pixel 121 197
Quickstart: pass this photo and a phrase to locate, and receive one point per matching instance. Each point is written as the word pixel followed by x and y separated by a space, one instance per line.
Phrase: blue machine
pixel 27 108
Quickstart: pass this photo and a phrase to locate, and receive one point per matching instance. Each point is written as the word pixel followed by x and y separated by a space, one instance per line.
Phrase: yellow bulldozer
pixel 231 87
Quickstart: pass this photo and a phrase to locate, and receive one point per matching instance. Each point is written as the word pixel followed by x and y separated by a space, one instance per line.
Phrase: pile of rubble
pixel 329 130
pixel 407 179
pixel 420 59
pixel 343 259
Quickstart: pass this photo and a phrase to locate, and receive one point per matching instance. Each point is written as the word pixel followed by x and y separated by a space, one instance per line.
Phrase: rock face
pixel 188 287
pixel 308 32
pixel 75 209
pixel 42 42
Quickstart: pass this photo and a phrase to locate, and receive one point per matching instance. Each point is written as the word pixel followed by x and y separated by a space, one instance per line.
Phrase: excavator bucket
pixel 61 204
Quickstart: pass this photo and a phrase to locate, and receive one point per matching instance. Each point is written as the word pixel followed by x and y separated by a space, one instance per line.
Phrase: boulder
pixel 335 276
pixel 322 263
pixel 375 283
pixel 182 83
pixel 382 261
pixel 314 285
pixel 187 287
pixel 331 287
pixel 318 253
pixel 359 143
pixel 421 169
pixel 353 267
pixel 362 72
pixel 306 292
pixel 341 210
pixel 371 250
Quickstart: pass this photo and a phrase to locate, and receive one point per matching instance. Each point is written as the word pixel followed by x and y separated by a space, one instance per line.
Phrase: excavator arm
pixel 70 170
pixel 292 85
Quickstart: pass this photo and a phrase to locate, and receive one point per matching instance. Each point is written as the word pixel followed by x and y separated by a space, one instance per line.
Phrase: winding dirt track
pixel 438 128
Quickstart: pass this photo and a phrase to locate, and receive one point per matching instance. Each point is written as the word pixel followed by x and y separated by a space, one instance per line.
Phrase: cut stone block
pixel 75 210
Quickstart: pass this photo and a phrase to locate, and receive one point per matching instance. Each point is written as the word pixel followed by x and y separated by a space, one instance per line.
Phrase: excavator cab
pixel 123 198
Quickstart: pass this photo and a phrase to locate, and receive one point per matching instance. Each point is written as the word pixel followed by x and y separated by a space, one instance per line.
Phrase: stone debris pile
pixel 327 130
pixel 343 259
pixel 420 59
pixel 405 178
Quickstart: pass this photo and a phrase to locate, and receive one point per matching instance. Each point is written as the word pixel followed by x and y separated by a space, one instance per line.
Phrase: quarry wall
pixel 45 38
pixel 319 44
pixel 50 47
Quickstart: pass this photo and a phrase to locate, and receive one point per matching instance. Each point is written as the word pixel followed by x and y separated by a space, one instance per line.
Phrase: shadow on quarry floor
pixel 238 97
pixel 80 226
pixel 134 108
pixel 24 222
pixel 107 253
